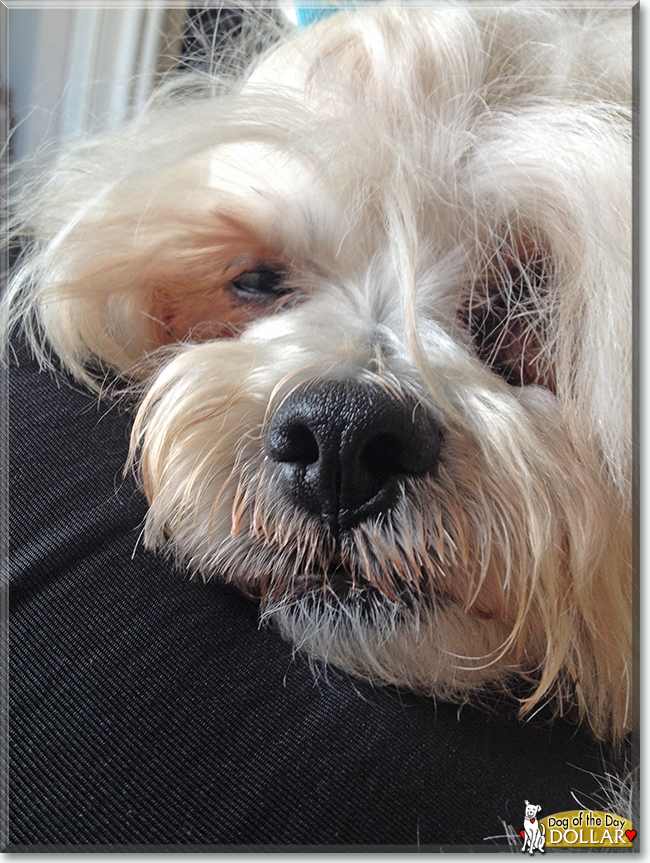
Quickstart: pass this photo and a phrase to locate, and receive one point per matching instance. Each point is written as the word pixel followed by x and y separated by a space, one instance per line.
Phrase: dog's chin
pixel 338 589
pixel 357 578
pixel 339 585
pixel 335 614
pixel 416 637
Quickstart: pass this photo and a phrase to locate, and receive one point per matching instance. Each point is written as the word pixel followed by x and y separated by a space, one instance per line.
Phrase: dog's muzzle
pixel 345 449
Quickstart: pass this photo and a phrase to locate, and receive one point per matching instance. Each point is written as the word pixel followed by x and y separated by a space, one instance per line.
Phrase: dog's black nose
pixel 345 446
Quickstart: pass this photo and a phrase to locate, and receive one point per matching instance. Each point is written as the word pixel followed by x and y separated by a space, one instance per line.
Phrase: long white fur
pixel 386 155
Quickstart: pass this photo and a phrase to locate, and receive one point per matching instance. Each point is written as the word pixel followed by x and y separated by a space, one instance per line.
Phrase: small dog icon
pixel 533 832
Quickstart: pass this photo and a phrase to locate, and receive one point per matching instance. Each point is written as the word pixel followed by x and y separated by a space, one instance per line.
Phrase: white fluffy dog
pixel 377 297
pixel 534 832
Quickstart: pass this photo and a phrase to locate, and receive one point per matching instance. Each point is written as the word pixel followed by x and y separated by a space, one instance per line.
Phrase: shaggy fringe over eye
pixel 507 311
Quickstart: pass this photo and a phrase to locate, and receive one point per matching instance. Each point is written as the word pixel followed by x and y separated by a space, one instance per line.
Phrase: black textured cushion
pixel 147 709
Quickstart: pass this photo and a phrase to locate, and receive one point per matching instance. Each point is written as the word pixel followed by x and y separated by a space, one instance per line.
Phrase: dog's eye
pixel 262 283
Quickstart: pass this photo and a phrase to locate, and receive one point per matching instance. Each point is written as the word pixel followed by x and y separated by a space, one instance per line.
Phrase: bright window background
pixel 85 68
pixel 79 67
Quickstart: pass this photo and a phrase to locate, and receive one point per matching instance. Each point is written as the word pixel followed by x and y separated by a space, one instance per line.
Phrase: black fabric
pixel 149 709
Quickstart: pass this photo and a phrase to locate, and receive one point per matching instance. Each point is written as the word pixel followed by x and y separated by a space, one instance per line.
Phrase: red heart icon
pixel 532 820
pixel 522 833
pixel 630 834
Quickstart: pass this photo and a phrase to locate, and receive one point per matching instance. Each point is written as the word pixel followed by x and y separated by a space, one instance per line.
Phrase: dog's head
pixel 379 297
pixel 531 809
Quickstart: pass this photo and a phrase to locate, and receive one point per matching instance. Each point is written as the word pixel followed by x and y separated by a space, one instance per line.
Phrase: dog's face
pixel 531 809
pixel 383 289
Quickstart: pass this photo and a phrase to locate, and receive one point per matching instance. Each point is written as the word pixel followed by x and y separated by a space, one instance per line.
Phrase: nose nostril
pixel 296 446
pixel 382 456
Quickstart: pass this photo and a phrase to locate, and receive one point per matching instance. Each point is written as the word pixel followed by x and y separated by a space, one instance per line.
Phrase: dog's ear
pixel 506 309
